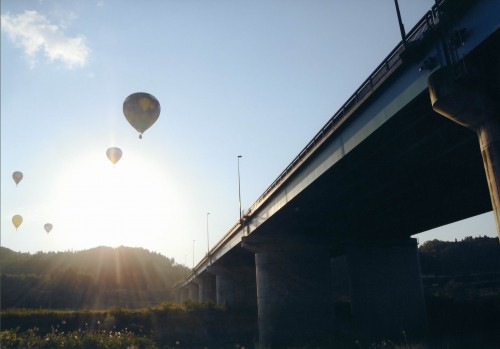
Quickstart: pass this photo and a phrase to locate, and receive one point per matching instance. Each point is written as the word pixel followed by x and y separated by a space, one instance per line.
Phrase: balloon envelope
pixel 114 154
pixel 47 227
pixel 17 177
pixel 17 220
pixel 141 111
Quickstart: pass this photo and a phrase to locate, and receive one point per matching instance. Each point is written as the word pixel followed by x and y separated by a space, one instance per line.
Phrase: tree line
pixel 104 277
pixel 98 278
pixel 470 255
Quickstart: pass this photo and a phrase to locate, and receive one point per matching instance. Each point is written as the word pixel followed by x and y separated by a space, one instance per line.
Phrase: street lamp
pixel 401 26
pixel 239 186
pixel 193 253
pixel 208 244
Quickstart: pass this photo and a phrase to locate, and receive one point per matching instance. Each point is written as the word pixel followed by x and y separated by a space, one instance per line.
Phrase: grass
pixel 74 339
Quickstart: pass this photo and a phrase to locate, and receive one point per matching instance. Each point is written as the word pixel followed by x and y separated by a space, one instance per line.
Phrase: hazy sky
pixel 252 78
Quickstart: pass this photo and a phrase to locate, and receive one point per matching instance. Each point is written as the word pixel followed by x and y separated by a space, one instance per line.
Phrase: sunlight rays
pixel 134 203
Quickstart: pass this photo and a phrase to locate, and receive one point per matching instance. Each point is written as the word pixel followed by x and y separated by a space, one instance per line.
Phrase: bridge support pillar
pixel 468 102
pixel 340 278
pixel 235 287
pixel 387 299
pixel 193 292
pixel 294 298
pixel 177 295
pixel 206 287
pixel 183 294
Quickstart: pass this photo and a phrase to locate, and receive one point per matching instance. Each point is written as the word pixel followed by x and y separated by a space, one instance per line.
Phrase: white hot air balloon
pixel 17 176
pixel 141 111
pixel 114 154
pixel 48 227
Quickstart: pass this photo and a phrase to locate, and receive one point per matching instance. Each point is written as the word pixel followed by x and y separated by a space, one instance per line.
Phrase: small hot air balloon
pixel 114 154
pixel 17 220
pixel 18 176
pixel 47 227
pixel 141 110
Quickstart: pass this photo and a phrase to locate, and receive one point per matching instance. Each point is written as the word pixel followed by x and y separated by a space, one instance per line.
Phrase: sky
pixel 250 78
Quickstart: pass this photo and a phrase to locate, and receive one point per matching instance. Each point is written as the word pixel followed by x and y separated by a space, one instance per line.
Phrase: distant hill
pixel 470 255
pixel 97 278
pixel 104 277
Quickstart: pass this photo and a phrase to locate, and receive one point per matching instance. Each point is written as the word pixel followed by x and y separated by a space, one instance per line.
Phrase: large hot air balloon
pixel 17 220
pixel 141 110
pixel 17 177
pixel 47 227
pixel 114 154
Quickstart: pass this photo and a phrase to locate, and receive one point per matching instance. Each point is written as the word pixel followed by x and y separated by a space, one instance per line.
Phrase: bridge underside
pixel 417 172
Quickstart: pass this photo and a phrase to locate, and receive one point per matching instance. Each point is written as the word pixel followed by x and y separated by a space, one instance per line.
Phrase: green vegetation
pixel 99 278
pixel 75 339
pixel 191 325
pixel 470 255
pixel 461 282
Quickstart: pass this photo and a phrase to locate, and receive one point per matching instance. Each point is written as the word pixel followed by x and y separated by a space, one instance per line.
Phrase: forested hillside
pixel 97 278
pixel 461 270
pixel 470 255
pixel 104 277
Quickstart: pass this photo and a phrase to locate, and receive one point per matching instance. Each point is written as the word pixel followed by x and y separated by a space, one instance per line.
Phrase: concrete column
pixel 235 286
pixel 341 294
pixel 177 295
pixel 294 296
pixel 387 299
pixel 340 278
pixel 206 287
pixel 184 294
pixel 193 292
pixel 226 289
pixel 467 102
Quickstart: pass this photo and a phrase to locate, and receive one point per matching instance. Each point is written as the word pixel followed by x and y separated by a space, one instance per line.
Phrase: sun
pixel 131 203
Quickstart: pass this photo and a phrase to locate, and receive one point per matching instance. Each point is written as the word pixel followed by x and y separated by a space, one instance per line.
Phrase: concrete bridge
pixel 385 167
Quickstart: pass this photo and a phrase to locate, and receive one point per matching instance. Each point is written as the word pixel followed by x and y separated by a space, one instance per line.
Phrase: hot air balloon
pixel 47 227
pixel 141 110
pixel 114 154
pixel 17 220
pixel 17 177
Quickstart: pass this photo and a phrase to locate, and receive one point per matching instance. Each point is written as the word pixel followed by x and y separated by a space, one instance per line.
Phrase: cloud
pixel 35 33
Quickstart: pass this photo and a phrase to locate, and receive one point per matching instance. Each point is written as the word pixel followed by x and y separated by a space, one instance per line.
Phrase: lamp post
pixel 193 253
pixel 401 26
pixel 239 186
pixel 208 244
